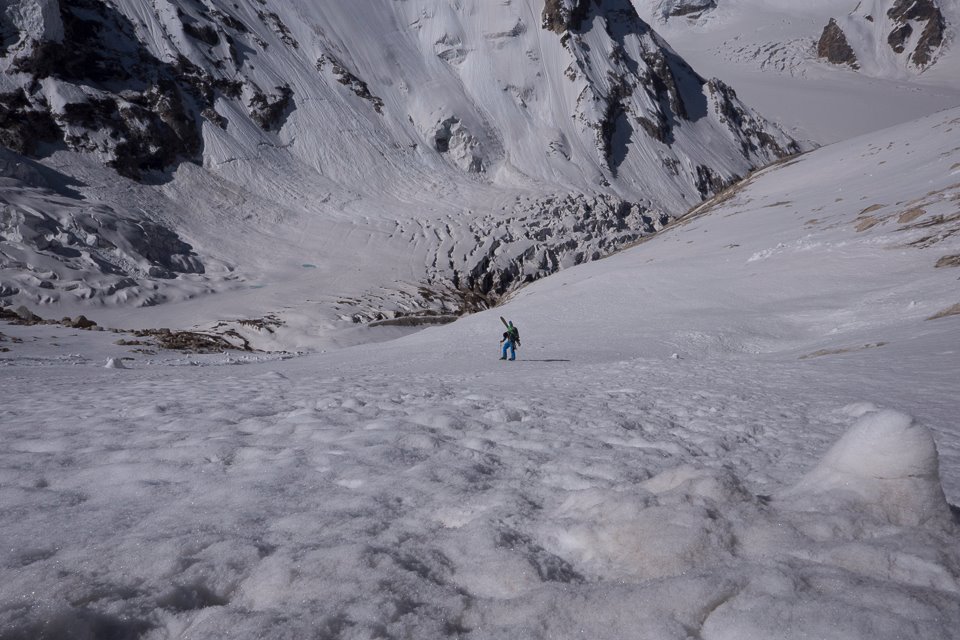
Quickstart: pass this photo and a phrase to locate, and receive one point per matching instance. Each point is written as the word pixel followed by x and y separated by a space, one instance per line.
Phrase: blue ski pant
pixel 513 352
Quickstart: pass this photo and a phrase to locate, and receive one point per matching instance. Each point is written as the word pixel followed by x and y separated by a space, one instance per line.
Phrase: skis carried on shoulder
pixel 512 331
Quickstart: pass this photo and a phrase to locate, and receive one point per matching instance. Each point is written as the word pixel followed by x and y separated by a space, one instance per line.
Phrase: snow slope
pixel 768 51
pixel 743 427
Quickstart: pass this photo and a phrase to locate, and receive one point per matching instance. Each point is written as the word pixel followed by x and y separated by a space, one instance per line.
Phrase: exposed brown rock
pixel 925 11
pixel 949 311
pixel 930 40
pixel 948 261
pixel 911 215
pixel 80 322
pixel 832 352
pixel 834 48
pixel 20 315
pixel 194 342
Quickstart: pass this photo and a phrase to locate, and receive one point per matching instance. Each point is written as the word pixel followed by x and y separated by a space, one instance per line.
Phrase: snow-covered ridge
pixel 343 119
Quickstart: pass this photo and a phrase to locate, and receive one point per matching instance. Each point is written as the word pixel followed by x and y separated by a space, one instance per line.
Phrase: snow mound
pixel 888 464
pixel 671 524
pixel 114 363
pixel 629 536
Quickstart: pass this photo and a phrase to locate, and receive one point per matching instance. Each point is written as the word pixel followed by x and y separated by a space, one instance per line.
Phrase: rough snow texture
pixel 337 125
pixel 53 244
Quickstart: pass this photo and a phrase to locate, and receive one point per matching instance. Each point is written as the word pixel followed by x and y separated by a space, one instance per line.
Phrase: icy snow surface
pixel 744 428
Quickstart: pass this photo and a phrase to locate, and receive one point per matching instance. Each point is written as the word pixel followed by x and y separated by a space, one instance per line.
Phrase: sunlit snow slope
pixel 744 427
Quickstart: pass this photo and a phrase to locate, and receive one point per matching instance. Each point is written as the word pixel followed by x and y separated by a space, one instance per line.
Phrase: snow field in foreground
pixel 639 498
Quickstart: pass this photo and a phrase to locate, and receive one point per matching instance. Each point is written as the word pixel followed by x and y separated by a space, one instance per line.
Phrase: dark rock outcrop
pixel 24 125
pixel 141 112
pixel 925 11
pixel 899 36
pixel 351 81
pixel 270 111
pixel 561 16
pixel 750 129
pixel 204 33
pixel 709 181
pixel 834 48
pixel 273 21
pixel 689 8
pixel 80 322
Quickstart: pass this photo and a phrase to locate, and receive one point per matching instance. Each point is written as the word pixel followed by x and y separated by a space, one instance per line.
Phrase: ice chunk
pixel 885 464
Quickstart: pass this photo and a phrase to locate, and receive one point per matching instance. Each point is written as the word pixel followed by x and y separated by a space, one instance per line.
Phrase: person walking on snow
pixel 510 340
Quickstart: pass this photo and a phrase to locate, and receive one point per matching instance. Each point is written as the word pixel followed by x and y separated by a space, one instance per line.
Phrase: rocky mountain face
pixel 320 111
pixel 909 33
pixel 649 89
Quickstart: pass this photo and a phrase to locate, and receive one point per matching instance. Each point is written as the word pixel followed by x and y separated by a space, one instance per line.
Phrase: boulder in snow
pixel 834 48
pixel 886 465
